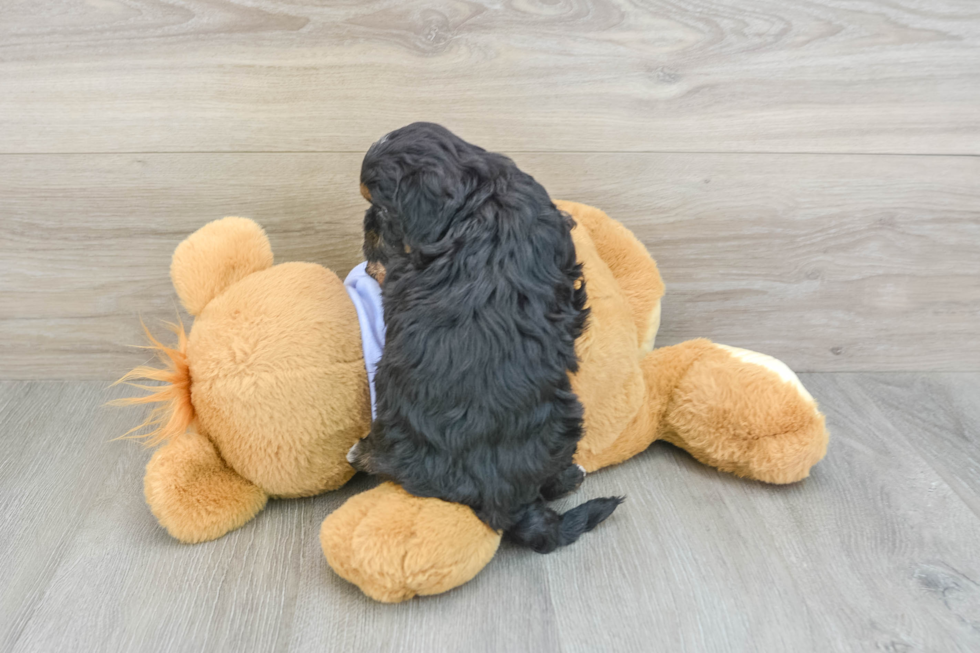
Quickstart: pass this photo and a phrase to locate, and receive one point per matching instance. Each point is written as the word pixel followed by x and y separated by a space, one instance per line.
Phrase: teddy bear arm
pixel 630 263
pixel 194 494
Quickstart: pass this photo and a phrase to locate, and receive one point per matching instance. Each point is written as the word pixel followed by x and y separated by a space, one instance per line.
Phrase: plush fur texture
pixel 272 372
pixel 633 272
pixel 194 494
pixel 219 254
pixel 483 302
pixel 278 378
pixel 437 545
pixel 262 362
pixel 770 430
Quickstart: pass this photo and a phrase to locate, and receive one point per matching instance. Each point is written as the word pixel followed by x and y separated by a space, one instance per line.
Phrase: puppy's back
pixel 483 302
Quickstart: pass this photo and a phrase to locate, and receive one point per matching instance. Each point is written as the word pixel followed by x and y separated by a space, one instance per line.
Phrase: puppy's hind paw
pixel 355 456
pixel 566 482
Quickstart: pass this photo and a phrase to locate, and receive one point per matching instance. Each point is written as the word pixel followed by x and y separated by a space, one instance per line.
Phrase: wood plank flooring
pixel 876 551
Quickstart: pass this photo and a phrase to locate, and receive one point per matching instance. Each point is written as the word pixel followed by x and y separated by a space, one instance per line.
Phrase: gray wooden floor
pixel 878 550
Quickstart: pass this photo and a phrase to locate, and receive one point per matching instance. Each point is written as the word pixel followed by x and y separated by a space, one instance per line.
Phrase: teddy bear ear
pixel 216 256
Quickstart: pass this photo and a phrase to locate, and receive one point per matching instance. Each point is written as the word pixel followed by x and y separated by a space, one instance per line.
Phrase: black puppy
pixel 483 301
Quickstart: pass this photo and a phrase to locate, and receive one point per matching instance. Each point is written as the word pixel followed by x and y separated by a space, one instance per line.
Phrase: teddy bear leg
pixel 194 494
pixel 658 375
pixel 740 411
pixel 394 545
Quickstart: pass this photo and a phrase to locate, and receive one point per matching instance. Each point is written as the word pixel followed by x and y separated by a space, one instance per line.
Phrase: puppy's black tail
pixel 544 530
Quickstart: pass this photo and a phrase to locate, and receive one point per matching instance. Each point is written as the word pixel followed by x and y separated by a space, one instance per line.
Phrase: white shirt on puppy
pixel 365 292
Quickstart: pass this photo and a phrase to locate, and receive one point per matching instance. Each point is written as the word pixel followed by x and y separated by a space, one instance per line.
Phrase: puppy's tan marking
pixel 376 271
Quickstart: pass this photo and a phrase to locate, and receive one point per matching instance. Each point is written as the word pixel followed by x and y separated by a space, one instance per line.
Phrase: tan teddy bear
pixel 269 391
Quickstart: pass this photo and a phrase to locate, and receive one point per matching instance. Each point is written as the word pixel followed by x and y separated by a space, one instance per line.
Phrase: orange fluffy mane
pixel 175 412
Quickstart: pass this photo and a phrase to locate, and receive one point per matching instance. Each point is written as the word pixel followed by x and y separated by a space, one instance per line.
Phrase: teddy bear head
pixel 272 371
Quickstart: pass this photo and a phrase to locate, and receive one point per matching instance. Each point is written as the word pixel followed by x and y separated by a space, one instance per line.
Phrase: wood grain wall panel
pixel 570 75
pixel 830 262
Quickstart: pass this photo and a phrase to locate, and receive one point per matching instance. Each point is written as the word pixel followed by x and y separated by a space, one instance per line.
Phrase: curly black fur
pixel 483 301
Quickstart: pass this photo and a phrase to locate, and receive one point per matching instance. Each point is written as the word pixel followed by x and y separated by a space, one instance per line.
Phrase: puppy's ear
pixel 426 202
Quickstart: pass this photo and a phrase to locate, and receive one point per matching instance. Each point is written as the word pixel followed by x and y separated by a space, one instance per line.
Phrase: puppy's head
pixel 419 180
